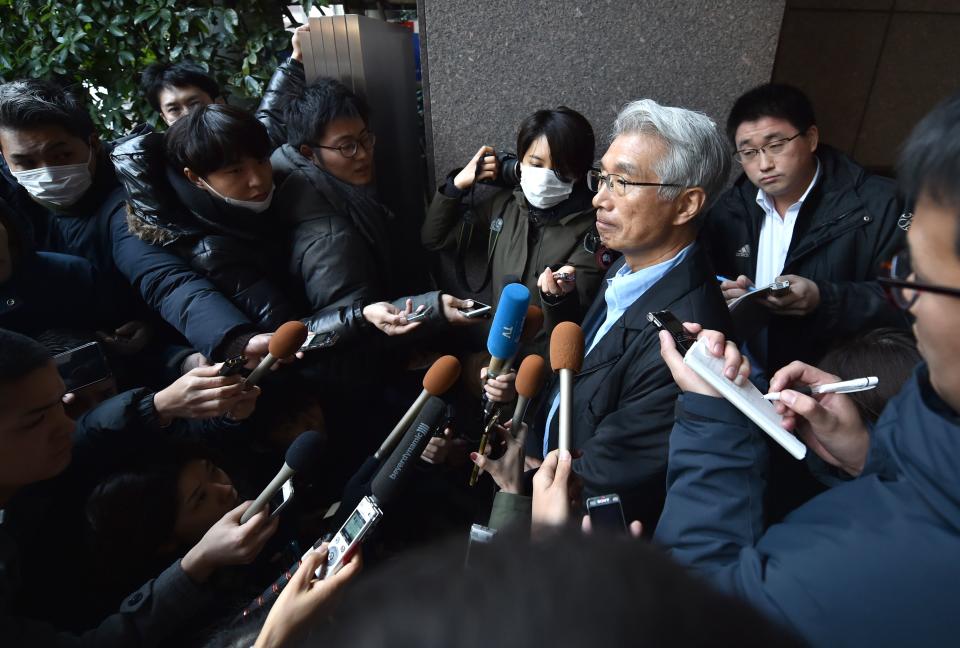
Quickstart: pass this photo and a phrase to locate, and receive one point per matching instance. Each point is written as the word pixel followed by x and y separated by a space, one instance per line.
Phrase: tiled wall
pixel 487 65
pixel 871 67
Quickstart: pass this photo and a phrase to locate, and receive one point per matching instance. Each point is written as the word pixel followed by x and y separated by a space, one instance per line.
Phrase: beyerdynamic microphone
pixel 285 342
pixel 396 468
pixel 359 484
pixel 529 381
pixel 566 357
pixel 385 486
pixel 302 455
pixel 439 378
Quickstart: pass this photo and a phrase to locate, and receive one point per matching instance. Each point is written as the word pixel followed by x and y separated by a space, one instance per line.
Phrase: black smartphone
pixel 233 366
pixel 606 514
pixel 320 340
pixel 82 366
pixel 666 321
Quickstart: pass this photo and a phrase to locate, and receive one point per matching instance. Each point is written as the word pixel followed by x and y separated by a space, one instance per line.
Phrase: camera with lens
pixel 508 170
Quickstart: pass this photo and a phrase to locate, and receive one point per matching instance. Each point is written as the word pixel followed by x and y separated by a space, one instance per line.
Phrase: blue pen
pixel 721 279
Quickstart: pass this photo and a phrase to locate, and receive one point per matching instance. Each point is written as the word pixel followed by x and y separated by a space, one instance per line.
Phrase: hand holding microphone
pixel 566 358
pixel 507 327
pixel 500 389
pixel 503 348
pixel 302 455
pixel 228 542
pixel 282 345
pixel 529 381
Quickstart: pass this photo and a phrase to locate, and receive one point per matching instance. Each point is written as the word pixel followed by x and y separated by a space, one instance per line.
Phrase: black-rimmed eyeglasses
pixel 773 149
pixel 904 292
pixel 349 149
pixel 617 183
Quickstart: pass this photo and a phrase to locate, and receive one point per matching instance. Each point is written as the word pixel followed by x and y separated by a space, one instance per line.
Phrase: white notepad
pixel 745 398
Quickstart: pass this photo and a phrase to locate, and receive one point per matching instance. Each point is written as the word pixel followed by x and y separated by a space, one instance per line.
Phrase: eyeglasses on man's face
pixel 773 149
pixel 349 149
pixel 617 183
pixel 899 284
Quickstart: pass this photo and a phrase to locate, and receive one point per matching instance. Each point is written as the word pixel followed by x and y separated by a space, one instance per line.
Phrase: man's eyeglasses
pixel 904 292
pixel 773 149
pixel 349 149
pixel 617 183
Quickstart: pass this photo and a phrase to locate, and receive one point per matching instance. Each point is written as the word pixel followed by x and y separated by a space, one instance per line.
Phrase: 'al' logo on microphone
pixel 507 332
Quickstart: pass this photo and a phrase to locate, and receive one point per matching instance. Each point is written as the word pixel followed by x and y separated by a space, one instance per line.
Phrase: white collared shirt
pixel 776 234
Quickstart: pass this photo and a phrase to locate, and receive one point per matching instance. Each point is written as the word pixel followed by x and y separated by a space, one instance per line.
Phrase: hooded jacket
pixel 871 562
pixel 847 227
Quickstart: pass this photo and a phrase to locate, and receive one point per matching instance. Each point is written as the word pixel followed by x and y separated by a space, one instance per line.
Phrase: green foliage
pixel 105 44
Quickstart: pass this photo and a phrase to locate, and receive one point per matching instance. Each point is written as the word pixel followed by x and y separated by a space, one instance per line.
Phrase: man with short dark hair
pixel 803 212
pixel 871 562
pixel 173 89
pixel 48 464
pixel 65 197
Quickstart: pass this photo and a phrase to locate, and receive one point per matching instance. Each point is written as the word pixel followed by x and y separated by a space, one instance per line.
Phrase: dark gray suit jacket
pixel 623 397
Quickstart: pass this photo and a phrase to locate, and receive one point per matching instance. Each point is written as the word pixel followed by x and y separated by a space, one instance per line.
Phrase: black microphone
pixel 395 471
pixel 384 487
pixel 302 455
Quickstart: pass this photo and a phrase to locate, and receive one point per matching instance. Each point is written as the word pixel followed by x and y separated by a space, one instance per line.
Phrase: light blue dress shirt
pixel 624 288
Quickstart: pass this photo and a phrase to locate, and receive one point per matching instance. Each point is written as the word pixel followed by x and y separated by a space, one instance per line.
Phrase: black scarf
pixel 215 215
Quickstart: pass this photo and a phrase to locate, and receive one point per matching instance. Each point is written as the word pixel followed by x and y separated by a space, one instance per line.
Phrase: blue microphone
pixel 504 338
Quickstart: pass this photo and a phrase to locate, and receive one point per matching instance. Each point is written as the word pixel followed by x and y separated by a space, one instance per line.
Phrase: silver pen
pixel 842 387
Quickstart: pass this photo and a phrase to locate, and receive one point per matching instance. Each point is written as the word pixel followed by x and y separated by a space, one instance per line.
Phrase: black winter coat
pixel 624 395
pixel 95 228
pixel 847 227
pixel 46 519
pixel 345 258
pixel 154 210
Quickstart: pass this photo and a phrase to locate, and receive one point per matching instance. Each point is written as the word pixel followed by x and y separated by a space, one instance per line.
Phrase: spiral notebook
pixel 745 398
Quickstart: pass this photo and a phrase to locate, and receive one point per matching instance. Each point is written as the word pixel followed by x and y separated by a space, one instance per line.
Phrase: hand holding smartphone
pixel 606 514
pixel 83 366
pixel 478 309
pixel 666 321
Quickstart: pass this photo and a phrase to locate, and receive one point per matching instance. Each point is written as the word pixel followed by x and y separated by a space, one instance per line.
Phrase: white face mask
pixel 58 185
pixel 257 206
pixel 542 187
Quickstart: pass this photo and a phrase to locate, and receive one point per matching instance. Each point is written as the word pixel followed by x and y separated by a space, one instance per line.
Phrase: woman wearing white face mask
pixel 545 220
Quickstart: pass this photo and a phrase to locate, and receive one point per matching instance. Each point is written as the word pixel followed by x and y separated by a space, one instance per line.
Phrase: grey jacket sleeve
pixel 147 617
pixel 511 512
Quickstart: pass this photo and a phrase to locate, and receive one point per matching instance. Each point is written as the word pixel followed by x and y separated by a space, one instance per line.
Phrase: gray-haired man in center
pixel 663 168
